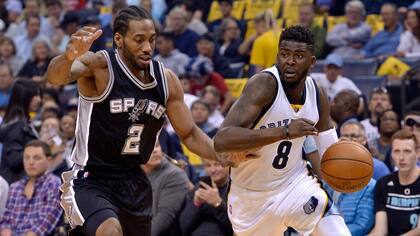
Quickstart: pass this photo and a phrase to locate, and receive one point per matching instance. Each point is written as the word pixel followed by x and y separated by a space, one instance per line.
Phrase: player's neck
pixel 140 74
pixel 295 92
pixel 408 177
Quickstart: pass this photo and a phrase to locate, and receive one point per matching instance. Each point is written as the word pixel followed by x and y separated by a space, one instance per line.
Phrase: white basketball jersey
pixel 280 162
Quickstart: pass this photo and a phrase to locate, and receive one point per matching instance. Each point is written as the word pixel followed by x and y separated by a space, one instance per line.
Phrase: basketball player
pixel 278 108
pixel 124 96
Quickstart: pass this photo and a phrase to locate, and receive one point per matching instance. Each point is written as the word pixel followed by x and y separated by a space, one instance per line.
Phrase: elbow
pixel 219 143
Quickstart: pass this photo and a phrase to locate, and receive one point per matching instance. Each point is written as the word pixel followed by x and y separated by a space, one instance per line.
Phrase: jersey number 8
pixel 283 150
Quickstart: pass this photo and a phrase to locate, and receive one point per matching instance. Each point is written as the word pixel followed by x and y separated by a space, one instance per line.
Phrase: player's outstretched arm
pixel 75 63
pixel 180 118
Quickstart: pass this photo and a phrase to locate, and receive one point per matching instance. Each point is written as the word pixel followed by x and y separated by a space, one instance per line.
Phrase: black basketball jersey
pixel 117 131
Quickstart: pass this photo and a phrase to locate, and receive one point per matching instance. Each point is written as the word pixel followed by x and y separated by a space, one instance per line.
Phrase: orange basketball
pixel 347 166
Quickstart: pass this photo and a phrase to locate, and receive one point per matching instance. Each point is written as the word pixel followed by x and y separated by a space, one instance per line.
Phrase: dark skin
pixel 294 59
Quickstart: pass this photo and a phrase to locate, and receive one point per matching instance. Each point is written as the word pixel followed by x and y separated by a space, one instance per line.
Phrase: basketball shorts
pixel 299 206
pixel 88 201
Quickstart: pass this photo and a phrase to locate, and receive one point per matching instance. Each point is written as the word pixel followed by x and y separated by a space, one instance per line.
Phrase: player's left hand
pixel 210 194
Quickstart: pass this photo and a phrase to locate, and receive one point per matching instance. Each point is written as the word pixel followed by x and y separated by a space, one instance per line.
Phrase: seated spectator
pixel 4 190
pixel 184 38
pixel 264 49
pixel 385 42
pixel 36 67
pixel 94 21
pixel 388 124
pixel 348 38
pixel 380 101
pixel 306 18
pixel 229 40
pixel 171 57
pixel 205 211
pixel 8 55
pixel 200 70
pixel 397 195
pixel 170 187
pixel 6 83
pixel 69 25
pixel 409 41
pixel 344 108
pixel 225 7
pixel 211 96
pixel 68 127
pixel 189 98
pixel 207 48
pixel 331 80
pixel 412 123
pixel 17 128
pixel 200 112
pixel 33 204
pixel 354 131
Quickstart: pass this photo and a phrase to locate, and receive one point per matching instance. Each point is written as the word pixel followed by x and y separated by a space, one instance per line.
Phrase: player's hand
pixel 301 127
pixel 81 41
pixel 210 194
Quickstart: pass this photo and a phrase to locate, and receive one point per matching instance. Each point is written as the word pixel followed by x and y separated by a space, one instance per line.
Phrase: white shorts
pixel 300 206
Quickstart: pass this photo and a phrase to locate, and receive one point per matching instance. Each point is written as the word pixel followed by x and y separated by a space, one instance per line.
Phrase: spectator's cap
pixel 206 36
pixel 90 20
pixel 415 5
pixel 199 66
pixel 230 2
pixel 414 120
pixel 334 59
pixel 69 17
pixel 14 6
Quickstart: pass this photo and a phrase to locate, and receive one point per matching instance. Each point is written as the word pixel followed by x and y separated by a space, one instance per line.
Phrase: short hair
pixel 38 143
pixel 383 113
pixel 405 135
pixel 380 90
pixel 356 4
pixel 126 15
pixel 201 102
pixel 5 39
pixel 230 2
pixel 356 123
pixel 168 36
pixel 8 67
pixel 30 17
pixel 299 34
pixel 351 97
pixel 393 6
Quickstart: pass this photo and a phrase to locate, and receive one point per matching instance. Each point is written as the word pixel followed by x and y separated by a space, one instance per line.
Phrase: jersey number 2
pixel 132 142
pixel 283 150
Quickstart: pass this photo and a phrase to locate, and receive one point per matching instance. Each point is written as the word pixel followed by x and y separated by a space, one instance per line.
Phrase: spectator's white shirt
pixel 24 45
pixel 339 84
pixel 188 99
pixel 371 131
pixel 409 44
pixel 4 190
pixel 216 118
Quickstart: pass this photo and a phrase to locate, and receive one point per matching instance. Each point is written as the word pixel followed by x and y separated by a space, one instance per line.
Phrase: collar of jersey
pixel 133 78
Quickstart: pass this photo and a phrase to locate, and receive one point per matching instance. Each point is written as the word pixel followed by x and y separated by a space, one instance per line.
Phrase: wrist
pixel 218 203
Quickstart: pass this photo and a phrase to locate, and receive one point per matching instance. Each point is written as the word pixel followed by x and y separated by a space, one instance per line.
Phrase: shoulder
pixel 365 26
pixel 18 185
pixel 384 180
pixel 52 180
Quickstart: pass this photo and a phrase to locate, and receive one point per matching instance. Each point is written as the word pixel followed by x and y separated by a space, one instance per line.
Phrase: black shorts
pixel 89 200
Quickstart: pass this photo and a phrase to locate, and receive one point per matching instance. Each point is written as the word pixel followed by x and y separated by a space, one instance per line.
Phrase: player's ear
pixel 313 61
pixel 118 39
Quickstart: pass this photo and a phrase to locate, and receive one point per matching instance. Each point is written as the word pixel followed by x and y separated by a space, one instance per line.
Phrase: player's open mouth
pixel 289 73
pixel 144 60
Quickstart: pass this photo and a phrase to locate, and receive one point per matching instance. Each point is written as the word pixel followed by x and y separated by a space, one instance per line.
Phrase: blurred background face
pixel 163 46
pixel 216 171
pixel 40 51
pixel 33 27
pixel 352 132
pixel 231 30
pixel 68 126
pixel 338 106
pixel 35 103
pixel 225 8
pixel 205 47
pixel 412 20
pixel 353 16
pixel 260 27
pixel 178 22
pixel 54 10
pixel 389 15
pixel 200 113
pixel 146 4
pixel 186 86
pixel 50 126
pixel 31 7
pixel 6 78
pixel 379 102
pixel 155 158
pixel 35 162
pixel 404 154
pixel 306 15
pixel 211 99
pixel 6 49
pixel 332 72
pixel 389 123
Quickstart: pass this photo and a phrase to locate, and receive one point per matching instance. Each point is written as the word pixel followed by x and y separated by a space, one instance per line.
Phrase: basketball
pixel 347 166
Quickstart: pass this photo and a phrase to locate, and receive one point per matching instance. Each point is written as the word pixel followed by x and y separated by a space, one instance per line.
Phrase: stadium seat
pixel 250 29
pixel 290 9
pixel 237 10
pixel 375 22
pixel 236 86
pixel 253 7
pixel 367 83
pixel 352 68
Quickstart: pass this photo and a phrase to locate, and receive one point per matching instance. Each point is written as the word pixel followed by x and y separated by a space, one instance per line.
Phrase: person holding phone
pixel 205 211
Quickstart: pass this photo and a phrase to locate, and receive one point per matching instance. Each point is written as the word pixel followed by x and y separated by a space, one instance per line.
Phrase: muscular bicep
pixel 259 93
pixel 324 122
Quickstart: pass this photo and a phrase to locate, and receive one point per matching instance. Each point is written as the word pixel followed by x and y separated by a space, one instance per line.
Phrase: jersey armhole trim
pixel 318 105
pixel 108 88
pixel 267 107
pixel 164 82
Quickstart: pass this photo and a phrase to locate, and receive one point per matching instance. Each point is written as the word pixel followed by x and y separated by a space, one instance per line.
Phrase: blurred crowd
pixel 368 62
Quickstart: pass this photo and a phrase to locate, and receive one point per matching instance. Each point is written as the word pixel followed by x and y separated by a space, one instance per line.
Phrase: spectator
pixel 69 25
pixel 93 21
pixel 33 205
pixel 8 55
pixel 205 211
pixel 264 49
pixel 212 97
pixel 229 41
pixel 348 38
pixel 4 190
pixel 379 102
pixel 169 185
pixel 412 123
pixel 385 42
pixel 206 48
pixel 171 57
pixel 106 22
pixel 388 124
pixel 306 18
pixel 55 14
pixel 344 108
pixel 6 82
pixel 354 131
pixel 225 7
pixel 36 67
pixel 68 128
pixel 28 37
pixel 200 112
pixel 14 13
pixel 331 80
pixel 189 98
pixel 397 196
pixel 16 129
pixel 185 39
pixel 409 41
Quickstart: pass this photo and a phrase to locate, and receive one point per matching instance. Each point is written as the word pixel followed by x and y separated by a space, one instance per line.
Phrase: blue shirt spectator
pixel 356 208
pixel 379 169
pixel 385 42
pixel 184 38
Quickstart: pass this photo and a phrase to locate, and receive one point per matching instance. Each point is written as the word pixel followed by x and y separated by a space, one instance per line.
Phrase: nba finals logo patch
pixel 310 206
